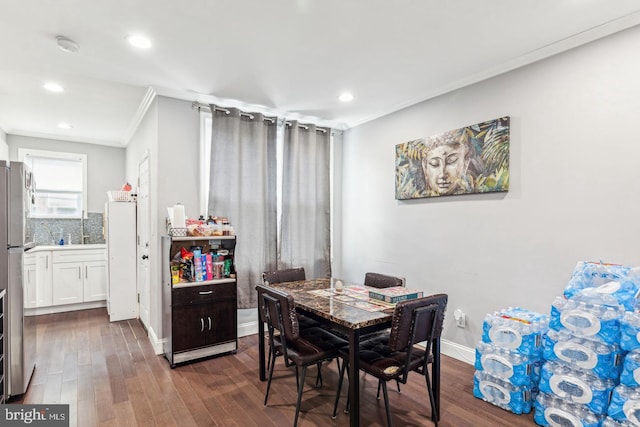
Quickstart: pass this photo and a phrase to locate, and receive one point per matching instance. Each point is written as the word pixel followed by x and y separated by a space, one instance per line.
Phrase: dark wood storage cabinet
pixel 199 318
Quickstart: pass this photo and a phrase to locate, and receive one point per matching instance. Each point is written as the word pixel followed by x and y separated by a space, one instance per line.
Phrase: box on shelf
pixel 395 294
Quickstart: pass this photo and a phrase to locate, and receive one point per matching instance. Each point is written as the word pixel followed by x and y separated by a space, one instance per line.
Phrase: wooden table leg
pixel 354 377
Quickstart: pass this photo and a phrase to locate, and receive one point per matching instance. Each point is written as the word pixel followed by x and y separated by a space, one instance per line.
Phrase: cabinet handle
pixel 79 273
pixel 205 292
pixel 209 322
pixel 201 324
pixel 86 272
pixel 47 263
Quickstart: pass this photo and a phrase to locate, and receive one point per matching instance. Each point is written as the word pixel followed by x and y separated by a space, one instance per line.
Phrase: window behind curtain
pixel 60 180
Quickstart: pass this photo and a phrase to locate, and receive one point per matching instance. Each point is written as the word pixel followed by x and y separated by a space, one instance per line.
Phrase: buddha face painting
pixel 444 167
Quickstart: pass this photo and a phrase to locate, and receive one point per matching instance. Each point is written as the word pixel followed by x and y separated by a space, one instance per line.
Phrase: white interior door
pixel 143 227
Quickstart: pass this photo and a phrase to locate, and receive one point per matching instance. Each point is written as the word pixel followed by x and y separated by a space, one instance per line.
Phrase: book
pixel 395 294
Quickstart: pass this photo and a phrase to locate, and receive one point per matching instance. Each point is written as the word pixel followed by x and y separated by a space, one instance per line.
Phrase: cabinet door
pixel 30 286
pixel 95 281
pixel 67 283
pixel 221 318
pixel 44 291
pixel 188 327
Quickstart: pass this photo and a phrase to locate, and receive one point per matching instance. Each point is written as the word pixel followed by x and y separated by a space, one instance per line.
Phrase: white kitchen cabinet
pixel 67 283
pixel 95 281
pixel 38 279
pixel 79 276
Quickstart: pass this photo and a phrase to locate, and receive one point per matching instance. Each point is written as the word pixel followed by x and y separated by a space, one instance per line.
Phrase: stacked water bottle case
pixel 508 359
pixel 584 351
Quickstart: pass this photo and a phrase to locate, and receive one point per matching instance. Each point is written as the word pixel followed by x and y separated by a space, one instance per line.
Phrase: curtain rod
pixel 196 105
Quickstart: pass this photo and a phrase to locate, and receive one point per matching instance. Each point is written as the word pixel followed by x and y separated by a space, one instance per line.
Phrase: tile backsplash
pixel 47 231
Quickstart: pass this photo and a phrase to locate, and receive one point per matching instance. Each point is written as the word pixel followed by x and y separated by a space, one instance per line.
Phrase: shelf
pixel 189 238
pixel 204 282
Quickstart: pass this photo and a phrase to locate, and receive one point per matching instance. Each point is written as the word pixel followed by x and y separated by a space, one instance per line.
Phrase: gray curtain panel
pixel 305 225
pixel 243 188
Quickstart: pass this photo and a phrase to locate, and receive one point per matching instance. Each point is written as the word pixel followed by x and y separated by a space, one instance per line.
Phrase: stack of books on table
pixel 394 295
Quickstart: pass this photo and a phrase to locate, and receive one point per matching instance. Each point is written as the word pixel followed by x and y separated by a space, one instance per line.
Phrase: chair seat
pixel 377 358
pixel 313 345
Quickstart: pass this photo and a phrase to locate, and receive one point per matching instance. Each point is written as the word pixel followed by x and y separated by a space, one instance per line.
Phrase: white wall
pixel 575 185
pixel 105 165
pixel 4 147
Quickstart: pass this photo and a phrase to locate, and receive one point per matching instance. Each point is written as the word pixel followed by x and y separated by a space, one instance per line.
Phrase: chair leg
pixel 335 405
pixel 386 401
pixel 378 393
pixel 434 411
pixel 319 376
pixel 398 384
pixel 272 360
pixel 300 388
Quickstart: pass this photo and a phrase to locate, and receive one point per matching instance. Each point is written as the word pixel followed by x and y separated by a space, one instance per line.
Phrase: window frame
pixel 23 153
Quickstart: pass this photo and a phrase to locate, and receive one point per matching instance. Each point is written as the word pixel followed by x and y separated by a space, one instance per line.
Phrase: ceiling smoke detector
pixel 66 44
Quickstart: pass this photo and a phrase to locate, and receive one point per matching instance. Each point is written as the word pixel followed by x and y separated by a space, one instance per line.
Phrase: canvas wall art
pixel 469 160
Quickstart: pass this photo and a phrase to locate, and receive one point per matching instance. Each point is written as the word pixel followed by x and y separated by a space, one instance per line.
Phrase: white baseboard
pixel 158 344
pixel 64 308
pixel 248 328
pixel 457 351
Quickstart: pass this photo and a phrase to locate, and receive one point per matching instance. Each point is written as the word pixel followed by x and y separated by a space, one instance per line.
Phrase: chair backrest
pixel 277 309
pixel 285 275
pixel 377 280
pixel 410 325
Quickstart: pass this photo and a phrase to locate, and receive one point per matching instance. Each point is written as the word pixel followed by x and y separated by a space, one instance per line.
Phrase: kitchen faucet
pixel 83 236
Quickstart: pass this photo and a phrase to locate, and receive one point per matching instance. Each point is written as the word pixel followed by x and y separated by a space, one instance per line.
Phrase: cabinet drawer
pixel 79 255
pixel 204 293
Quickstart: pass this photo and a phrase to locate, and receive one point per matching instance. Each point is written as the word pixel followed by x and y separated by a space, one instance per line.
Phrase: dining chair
pixel 393 356
pixel 290 275
pixel 300 348
pixel 378 280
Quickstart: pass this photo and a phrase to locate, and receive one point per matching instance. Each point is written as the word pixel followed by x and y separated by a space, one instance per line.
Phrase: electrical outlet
pixel 460 317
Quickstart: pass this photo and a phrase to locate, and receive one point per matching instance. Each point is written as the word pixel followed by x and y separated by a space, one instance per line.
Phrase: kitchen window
pixel 60 183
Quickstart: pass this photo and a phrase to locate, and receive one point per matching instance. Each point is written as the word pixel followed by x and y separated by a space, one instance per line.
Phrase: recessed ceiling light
pixel 346 97
pixel 64 125
pixel 53 87
pixel 139 41
pixel 66 44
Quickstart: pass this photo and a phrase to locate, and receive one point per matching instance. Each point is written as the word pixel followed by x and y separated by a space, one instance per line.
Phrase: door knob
pixel 145 256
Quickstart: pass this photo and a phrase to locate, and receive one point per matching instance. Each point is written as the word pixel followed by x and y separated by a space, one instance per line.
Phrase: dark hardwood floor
pixel 110 376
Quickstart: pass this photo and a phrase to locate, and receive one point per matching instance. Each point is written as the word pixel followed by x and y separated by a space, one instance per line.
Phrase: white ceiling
pixel 290 57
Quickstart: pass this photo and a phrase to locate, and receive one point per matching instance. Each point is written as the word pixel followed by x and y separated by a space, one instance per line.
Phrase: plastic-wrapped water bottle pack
pixel 501 393
pixel 516 329
pixel 610 422
pixel 576 386
pixel 509 365
pixel 555 412
pixel 630 331
pixel 588 314
pixel 588 274
pixel 625 404
pixel 605 360
pixel 630 375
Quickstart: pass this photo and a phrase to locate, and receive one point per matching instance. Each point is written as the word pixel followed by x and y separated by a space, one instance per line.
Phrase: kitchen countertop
pixel 68 247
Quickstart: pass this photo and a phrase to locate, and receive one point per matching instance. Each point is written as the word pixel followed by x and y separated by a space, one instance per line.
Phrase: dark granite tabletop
pixel 329 304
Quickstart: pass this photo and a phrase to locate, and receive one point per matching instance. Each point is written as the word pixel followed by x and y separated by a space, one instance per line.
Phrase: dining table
pixel 346 308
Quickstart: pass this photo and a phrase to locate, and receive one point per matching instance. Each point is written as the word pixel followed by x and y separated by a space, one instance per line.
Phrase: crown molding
pixel 146 102
pixel 65 138
pixel 527 58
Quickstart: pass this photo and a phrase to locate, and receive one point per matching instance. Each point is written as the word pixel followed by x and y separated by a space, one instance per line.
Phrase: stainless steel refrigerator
pixel 16 237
